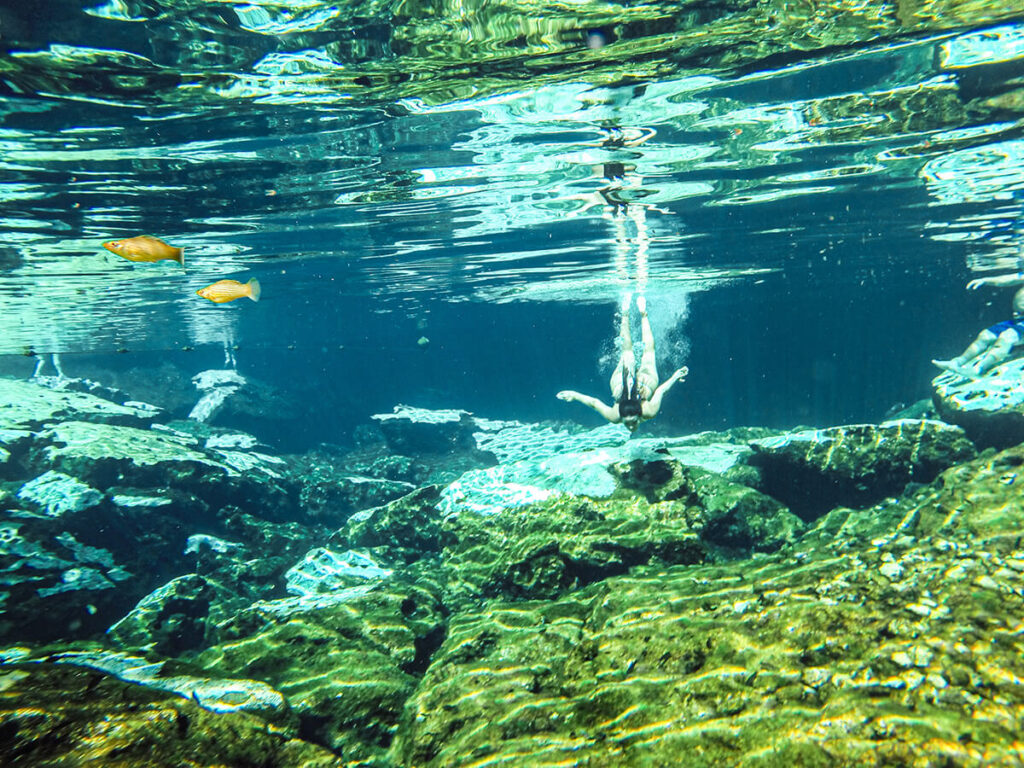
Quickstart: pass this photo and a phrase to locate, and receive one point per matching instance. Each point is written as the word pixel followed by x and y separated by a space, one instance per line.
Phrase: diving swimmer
pixel 993 345
pixel 636 391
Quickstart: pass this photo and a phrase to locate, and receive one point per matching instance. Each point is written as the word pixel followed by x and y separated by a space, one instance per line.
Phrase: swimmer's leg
pixel 626 360
pixel 998 352
pixel 980 345
pixel 648 373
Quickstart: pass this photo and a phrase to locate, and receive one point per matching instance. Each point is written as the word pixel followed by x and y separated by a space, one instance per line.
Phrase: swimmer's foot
pixel 641 304
pixel 626 301
pixel 954 367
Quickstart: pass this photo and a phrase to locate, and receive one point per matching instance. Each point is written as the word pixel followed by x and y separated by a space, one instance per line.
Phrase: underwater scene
pixel 401 384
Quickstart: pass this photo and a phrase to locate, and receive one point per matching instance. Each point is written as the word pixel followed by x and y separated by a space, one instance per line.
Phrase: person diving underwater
pixel 636 392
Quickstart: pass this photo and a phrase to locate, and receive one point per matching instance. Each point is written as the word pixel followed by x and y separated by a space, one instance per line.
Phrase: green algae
pixel 57 715
pixel 28 406
pixel 346 664
pixel 903 649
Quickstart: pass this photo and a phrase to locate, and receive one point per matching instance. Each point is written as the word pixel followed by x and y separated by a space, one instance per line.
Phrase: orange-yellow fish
pixel 229 290
pixel 145 248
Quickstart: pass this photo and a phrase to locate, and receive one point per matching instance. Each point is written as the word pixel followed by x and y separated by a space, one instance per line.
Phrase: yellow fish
pixel 229 290
pixel 145 248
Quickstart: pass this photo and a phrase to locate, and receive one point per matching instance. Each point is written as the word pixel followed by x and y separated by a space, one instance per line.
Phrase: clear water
pixel 801 191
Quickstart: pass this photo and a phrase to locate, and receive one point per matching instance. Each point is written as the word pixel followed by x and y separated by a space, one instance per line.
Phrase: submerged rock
pixel 655 510
pixel 29 406
pixel 176 617
pixel 345 661
pixel 897 650
pixel 54 714
pixel 990 409
pixel 410 430
pixel 813 471
pixel 56 493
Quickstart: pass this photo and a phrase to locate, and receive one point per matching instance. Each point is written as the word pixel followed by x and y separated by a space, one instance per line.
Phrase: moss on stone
pixel 28 406
pixel 59 715
pixel 901 650
pixel 345 665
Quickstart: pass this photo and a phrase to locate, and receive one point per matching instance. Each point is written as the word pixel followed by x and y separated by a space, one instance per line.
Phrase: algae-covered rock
pixel 544 549
pixel 63 715
pixel 990 409
pixel 899 650
pixel 55 583
pixel 659 511
pixel 28 406
pixel 734 517
pixel 346 661
pixel 105 454
pixel 812 471
pixel 410 430
pixel 174 618
pixel 324 571
pixel 406 528
pixel 57 494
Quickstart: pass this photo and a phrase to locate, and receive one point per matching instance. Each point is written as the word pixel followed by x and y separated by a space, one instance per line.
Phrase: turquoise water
pixel 357 509
pixel 799 192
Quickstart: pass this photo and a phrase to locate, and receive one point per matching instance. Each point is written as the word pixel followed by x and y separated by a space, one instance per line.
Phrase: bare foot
pixel 626 301
pixel 641 304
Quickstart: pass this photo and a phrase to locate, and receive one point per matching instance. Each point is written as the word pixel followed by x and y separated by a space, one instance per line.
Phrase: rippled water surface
pixel 389 160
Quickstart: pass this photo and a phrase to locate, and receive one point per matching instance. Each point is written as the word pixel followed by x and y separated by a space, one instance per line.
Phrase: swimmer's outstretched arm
pixel 1016 278
pixel 609 412
pixel 652 406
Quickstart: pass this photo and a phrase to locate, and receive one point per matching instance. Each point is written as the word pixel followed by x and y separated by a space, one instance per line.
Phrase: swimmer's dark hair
pixel 630 405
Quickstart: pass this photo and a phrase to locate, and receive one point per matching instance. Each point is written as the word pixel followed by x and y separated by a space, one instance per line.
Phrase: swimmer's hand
pixel 1015 278
pixel 566 395
pixel 681 373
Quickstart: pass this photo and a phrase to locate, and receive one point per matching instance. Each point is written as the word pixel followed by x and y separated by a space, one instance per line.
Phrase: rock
pixel 215 387
pixel 105 456
pixel 813 471
pixel 345 661
pixel 551 547
pixel 53 584
pixel 512 441
pixel 990 409
pixel 589 473
pixel 28 406
pixel 333 486
pixel 174 618
pixel 79 716
pixel 57 494
pixel 323 571
pixel 655 511
pixel 406 529
pixel 410 430
pixel 816 654
pixel 732 518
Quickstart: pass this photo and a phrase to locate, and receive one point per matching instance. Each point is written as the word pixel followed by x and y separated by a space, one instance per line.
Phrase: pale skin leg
pixel 994 348
pixel 999 351
pixel 980 345
pixel 991 349
pixel 626 360
pixel 648 373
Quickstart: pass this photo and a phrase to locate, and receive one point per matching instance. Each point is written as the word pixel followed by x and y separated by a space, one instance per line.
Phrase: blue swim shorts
pixel 1017 325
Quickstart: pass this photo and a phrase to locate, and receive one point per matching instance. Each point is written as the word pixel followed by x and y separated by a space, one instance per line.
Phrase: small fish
pixel 145 248
pixel 229 290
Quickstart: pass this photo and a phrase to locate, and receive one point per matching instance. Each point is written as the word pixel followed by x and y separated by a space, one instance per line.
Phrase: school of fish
pixel 146 248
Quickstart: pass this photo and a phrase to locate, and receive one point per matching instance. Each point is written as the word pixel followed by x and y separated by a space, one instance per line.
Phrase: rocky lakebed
pixel 459 591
